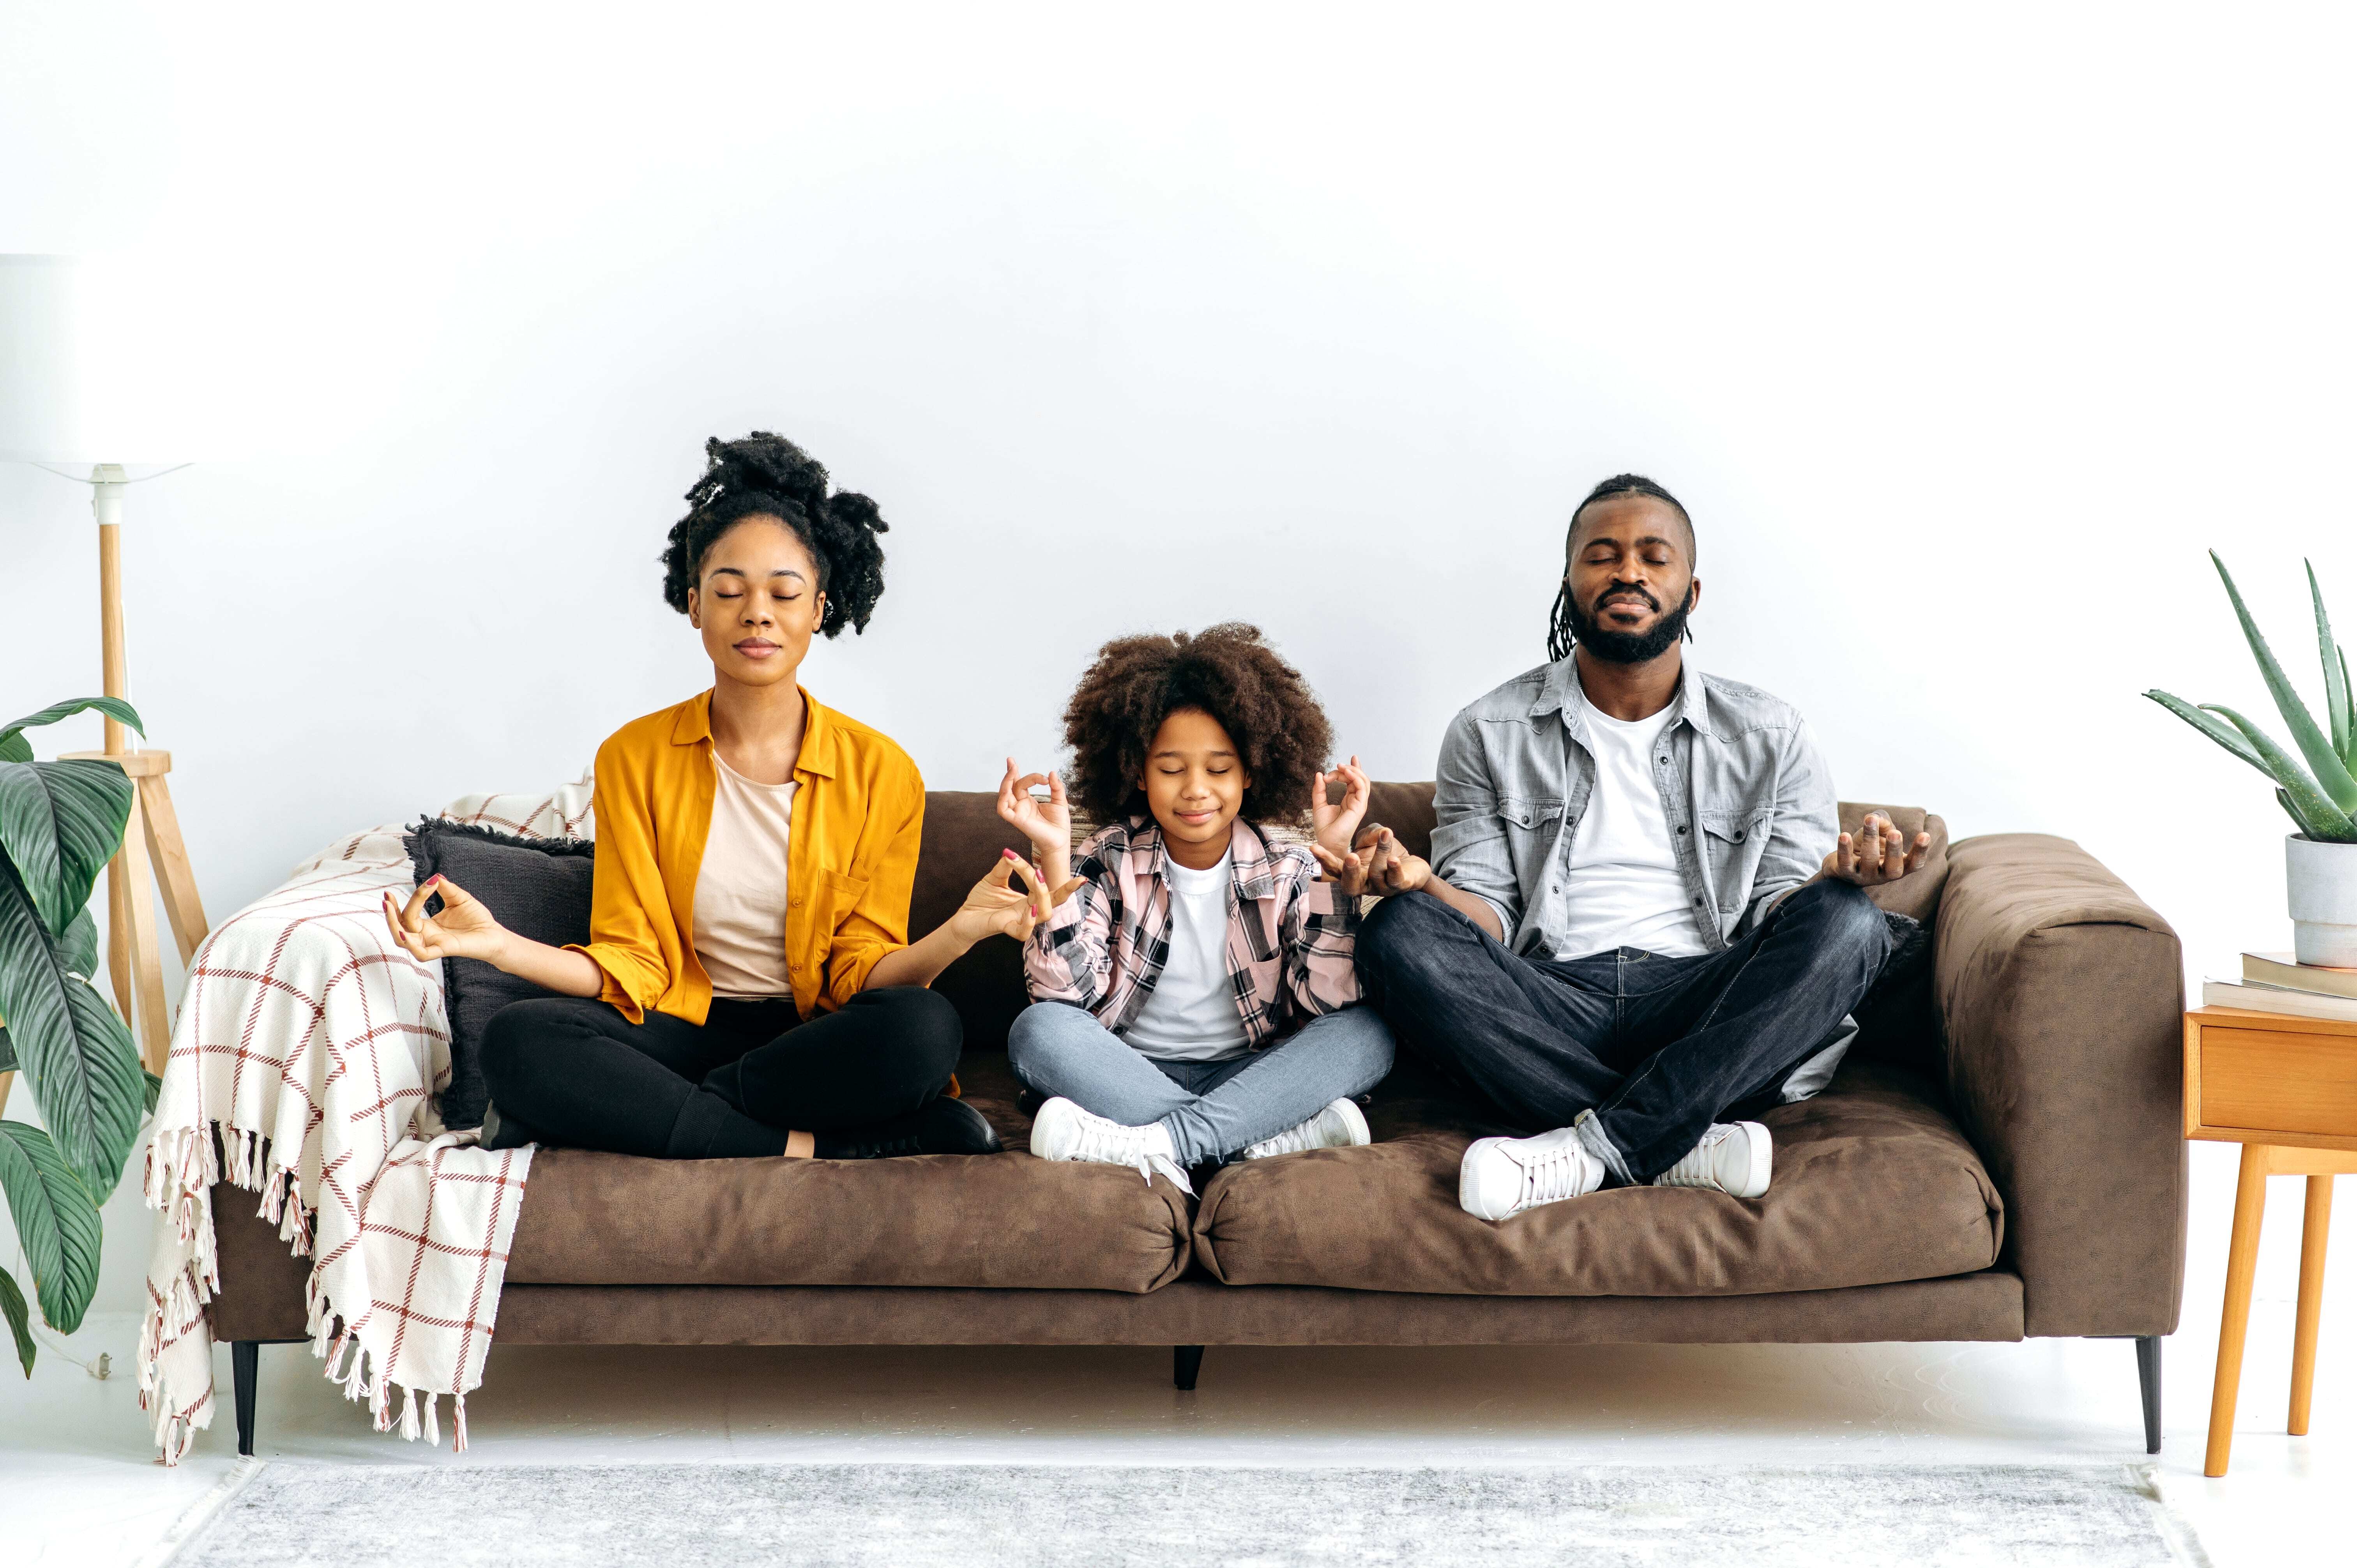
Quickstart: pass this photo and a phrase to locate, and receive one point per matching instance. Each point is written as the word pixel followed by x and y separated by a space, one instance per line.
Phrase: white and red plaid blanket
pixel 304 1064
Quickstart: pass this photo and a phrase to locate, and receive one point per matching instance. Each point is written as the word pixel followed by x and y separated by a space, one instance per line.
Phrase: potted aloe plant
pixel 60 822
pixel 2320 860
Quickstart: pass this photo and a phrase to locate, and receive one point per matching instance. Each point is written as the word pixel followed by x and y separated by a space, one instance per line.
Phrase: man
pixel 1643 919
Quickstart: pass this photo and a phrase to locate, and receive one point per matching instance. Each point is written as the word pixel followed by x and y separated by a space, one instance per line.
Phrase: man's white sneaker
pixel 1734 1157
pixel 1339 1126
pixel 1062 1131
pixel 1503 1177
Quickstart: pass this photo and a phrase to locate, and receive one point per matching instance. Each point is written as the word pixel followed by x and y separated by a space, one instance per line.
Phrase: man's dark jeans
pixel 1658 1047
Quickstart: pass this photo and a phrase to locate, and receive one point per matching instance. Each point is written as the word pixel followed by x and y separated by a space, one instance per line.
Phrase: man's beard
pixel 1632 647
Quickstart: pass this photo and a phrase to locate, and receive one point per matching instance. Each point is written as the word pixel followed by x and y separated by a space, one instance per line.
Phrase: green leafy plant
pixel 2322 797
pixel 60 822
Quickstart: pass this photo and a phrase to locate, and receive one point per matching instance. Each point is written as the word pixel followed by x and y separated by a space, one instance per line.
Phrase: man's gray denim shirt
pixel 1750 805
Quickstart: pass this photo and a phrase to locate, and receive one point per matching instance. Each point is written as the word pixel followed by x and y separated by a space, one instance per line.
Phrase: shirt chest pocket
pixel 1732 844
pixel 1532 823
pixel 839 895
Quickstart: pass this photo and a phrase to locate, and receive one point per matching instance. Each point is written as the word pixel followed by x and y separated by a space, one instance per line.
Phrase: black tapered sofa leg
pixel 2149 1382
pixel 245 1360
pixel 1186 1361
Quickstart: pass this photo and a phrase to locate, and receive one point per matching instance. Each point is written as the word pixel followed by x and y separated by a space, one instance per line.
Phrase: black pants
pixel 573 1071
pixel 1658 1047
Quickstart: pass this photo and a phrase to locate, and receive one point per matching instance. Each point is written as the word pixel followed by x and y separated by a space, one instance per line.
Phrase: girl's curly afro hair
pixel 768 476
pixel 1226 671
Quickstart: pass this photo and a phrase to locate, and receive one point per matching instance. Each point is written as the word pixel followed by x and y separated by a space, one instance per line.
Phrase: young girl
pixel 1192 990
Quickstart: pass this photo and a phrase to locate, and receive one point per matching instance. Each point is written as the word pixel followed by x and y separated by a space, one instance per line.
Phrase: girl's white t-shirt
pixel 1191 1015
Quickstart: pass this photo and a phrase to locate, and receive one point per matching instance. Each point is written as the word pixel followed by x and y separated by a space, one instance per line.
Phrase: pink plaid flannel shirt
pixel 1289 945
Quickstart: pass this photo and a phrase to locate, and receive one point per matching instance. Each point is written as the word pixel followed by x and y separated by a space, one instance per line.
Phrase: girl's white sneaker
pixel 1062 1131
pixel 1339 1126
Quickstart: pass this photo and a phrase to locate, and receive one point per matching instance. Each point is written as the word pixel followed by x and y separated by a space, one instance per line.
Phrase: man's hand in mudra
pixel 1878 853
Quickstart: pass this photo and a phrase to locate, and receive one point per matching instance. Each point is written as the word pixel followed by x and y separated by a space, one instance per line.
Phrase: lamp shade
pixel 75 384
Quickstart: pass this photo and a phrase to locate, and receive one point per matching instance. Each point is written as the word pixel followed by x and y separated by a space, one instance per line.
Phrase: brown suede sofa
pixel 2031 1182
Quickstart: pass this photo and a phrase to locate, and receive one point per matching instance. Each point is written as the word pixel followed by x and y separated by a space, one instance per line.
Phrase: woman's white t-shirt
pixel 1191 1015
pixel 740 890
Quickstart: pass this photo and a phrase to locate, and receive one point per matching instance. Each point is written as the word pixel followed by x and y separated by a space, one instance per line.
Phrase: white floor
pixel 79 1484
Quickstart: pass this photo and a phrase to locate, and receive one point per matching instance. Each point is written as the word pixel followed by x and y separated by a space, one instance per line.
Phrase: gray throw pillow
pixel 536 887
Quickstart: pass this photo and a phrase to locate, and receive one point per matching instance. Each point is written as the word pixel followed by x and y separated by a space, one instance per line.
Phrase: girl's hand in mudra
pixel 463 929
pixel 1046 820
pixel 996 905
pixel 1336 822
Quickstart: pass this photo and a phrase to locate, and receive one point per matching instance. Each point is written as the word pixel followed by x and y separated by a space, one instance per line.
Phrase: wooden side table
pixel 2286 1089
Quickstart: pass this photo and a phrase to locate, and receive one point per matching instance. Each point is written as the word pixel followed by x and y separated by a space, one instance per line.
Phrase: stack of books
pixel 2274 982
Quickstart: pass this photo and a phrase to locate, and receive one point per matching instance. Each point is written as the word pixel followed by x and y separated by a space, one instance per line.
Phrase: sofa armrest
pixel 2062 994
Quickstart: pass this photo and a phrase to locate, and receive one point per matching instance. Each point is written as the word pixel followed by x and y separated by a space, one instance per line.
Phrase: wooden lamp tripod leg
pixel 173 872
pixel 153 852
pixel 153 1024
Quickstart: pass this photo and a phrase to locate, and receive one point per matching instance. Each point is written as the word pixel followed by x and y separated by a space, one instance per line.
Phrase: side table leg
pixel 2312 1299
pixel 2235 1322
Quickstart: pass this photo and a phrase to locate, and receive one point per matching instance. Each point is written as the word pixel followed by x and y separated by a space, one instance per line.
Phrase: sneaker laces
pixel 1292 1141
pixel 1105 1141
pixel 1697 1160
pixel 1558 1173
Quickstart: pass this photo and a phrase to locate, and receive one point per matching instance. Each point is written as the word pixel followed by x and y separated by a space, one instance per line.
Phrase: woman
pixel 749 988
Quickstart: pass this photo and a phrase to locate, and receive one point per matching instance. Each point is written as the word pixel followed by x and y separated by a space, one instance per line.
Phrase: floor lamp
pixel 58 410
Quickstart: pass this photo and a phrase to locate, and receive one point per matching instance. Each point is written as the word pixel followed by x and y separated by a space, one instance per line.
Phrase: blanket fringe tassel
pixel 183 1165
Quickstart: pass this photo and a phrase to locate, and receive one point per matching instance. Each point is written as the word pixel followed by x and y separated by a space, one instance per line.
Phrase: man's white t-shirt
pixel 1191 1015
pixel 1624 888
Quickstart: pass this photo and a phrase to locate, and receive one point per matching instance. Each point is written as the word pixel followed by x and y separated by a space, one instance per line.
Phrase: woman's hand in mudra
pixel 463 929
pixel 996 905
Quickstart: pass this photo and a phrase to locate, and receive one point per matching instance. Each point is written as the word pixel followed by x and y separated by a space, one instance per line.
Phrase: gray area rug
pixel 915 1516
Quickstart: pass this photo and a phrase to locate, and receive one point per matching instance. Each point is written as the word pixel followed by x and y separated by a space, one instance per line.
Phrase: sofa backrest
pixel 964 837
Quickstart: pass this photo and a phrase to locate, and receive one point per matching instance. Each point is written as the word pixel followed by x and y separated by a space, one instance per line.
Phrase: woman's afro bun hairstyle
pixel 767 476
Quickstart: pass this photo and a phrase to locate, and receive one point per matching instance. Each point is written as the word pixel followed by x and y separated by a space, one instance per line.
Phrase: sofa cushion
pixel 992 1220
pixel 1872 1184
pixel 536 888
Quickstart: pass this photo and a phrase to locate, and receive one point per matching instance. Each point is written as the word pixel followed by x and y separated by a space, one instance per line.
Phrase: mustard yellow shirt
pixel 851 859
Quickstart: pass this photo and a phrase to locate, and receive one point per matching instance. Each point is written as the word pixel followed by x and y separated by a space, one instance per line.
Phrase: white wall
pixel 1962 336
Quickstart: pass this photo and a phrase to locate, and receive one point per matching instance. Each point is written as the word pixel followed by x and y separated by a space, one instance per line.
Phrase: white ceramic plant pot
pixel 2323 881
